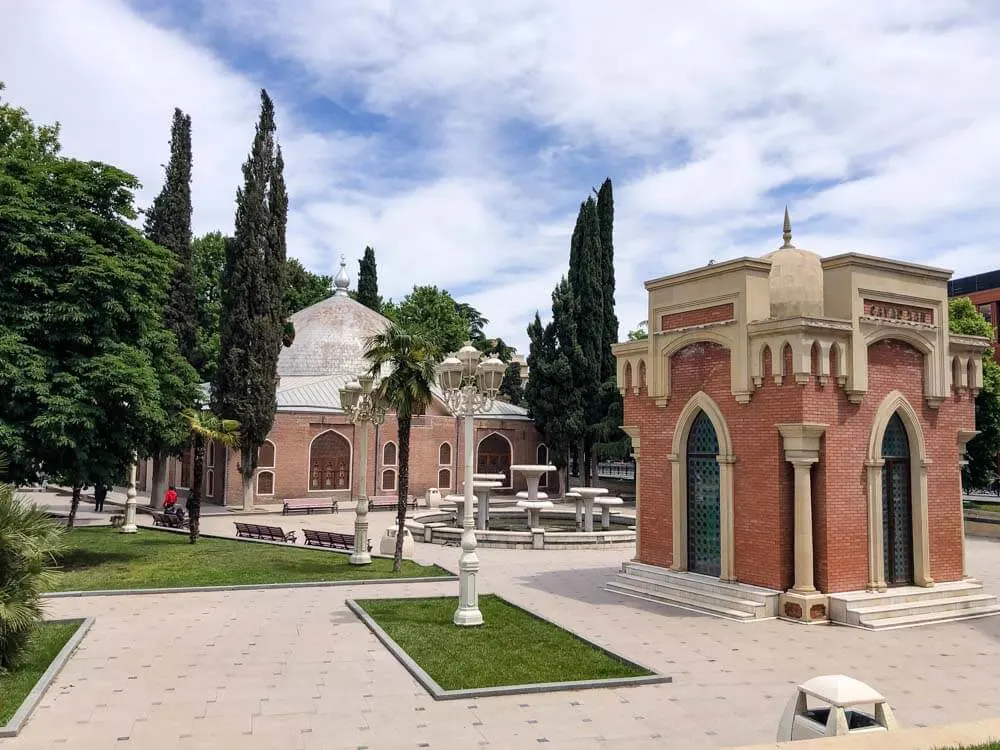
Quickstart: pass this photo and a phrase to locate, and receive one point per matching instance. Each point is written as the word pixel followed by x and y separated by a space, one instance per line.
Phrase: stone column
pixel 803 603
pixel 964 436
pixel 803 526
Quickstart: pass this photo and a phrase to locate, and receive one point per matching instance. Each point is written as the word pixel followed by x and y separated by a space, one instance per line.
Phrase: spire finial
pixel 342 282
pixel 786 234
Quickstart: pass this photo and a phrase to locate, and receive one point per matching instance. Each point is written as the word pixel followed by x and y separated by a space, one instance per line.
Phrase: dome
pixel 330 337
pixel 796 280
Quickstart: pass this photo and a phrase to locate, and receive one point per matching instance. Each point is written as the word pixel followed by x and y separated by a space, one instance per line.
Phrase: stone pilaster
pixel 803 603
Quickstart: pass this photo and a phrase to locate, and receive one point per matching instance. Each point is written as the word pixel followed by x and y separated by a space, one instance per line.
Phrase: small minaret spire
pixel 341 282
pixel 786 234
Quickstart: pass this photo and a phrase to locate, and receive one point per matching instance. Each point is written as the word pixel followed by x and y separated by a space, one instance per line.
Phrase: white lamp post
pixel 469 386
pixel 363 407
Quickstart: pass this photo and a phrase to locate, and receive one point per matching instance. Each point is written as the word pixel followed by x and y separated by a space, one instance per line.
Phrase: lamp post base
pixel 361 556
pixel 468 617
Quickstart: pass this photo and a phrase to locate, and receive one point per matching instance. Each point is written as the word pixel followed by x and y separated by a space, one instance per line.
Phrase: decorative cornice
pixel 885 264
pixel 716 269
pixel 801 441
pixel 797 325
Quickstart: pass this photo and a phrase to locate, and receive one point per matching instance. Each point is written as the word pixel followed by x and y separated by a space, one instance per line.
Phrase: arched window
pixel 265 456
pixel 210 458
pixel 495 455
pixel 329 462
pixel 389 454
pixel 444 454
pixel 265 483
pixel 444 479
pixel 389 480
pixel 210 483
pixel 542 457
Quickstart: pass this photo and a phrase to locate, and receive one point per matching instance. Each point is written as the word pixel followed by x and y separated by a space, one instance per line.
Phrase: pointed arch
pixel 627 376
pixel 390 453
pixel 699 403
pixel 957 373
pixel 895 403
pixel 331 458
pixel 815 359
pixel 766 362
pixel 494 455
pixel 640 377
pixel 267 455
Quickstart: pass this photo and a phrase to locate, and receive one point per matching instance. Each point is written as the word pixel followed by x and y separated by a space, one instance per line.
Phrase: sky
pixel 458 139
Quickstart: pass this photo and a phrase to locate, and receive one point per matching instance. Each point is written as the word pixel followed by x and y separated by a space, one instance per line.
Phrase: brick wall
pixel 763 480
pixel 293 432
pixel 701 316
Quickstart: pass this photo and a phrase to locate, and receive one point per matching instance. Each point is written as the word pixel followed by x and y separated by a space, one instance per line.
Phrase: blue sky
pixel 458 138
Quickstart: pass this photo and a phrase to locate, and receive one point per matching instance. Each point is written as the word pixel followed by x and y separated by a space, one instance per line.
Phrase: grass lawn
pixel 104 559
pixel 513 647
pixel 987 746
pixel 15 686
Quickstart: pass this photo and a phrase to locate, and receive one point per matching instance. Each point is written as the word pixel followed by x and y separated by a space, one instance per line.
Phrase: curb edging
pixel 440 694
pixel 31 701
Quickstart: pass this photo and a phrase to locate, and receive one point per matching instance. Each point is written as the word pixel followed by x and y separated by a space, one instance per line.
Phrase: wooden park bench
pixel 309 504
pixel 267 533
pixel 331 539
pixel 169 520
pixel 389 502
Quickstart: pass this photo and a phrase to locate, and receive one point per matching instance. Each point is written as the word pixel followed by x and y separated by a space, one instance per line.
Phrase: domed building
pixel 312 450
pixel 799 424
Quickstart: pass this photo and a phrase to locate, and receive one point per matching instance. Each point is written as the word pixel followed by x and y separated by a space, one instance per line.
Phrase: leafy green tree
pixel 431 314
pixel 208 255
pixel 606 221
pixel 168 223
pixel 205 428
pixel 410 361
pixel 303 288
pixel 981 471
pixel 29 542
pixel 367 293
pixel 512 388
pixel 474 321
pixel 89 375
pixel 640 332
pixel 498 347
pixel 251 326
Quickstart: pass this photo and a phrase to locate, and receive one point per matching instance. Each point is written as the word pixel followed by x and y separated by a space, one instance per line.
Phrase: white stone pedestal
pixel 808 609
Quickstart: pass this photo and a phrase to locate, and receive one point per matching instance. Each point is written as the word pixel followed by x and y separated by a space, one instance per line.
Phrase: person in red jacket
pixel 170 499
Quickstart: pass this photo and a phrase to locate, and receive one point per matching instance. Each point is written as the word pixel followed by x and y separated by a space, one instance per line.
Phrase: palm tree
pixel 205 427
pixel 410 361
pixel 29 542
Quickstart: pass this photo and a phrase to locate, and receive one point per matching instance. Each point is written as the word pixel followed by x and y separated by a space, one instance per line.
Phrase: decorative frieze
pixel 897 312
pixel 698 316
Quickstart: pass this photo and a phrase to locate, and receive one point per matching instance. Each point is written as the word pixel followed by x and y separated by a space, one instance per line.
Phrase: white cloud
pixel 875 121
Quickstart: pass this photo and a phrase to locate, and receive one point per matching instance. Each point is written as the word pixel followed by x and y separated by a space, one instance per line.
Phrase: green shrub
pixel 29 539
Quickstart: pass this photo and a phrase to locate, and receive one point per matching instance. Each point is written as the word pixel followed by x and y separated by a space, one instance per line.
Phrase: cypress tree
pixel 368 281
pixel 251 321
pixel 606 221
pixel 168 224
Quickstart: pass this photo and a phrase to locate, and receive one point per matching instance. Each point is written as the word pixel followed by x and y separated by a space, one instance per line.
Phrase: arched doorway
pixel 704 543
pixel 897 506
pixel 329 462
pixel 494 456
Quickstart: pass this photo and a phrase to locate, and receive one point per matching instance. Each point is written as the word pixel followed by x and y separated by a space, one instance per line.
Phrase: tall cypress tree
pixel 168 224
pixel 586 283
pixel 251 322
pixel 368 282
pixel 606 221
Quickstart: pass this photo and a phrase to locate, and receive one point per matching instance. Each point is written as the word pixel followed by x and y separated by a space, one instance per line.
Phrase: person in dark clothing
pixel 100 492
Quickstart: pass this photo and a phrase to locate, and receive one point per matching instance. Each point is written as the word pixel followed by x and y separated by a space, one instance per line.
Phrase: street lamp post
pixel 363 407
pixel 128 525
pixel 469 386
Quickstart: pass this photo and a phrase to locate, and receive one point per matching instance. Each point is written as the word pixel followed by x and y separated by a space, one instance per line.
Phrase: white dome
pixel 796 280
pixel 330 339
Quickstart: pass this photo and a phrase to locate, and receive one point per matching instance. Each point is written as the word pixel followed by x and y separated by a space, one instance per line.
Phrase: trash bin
pixel 387 545
pixel 839 713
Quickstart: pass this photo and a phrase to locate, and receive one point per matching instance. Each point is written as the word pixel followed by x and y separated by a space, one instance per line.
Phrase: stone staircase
pixel 698 593
pixel 913 605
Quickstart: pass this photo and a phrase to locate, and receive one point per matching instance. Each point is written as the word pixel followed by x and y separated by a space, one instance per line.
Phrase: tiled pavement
pixel 294 668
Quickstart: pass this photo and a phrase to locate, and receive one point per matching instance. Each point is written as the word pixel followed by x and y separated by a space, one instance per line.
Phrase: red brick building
pixel 312 450
pixel 798 426
pixel 984 291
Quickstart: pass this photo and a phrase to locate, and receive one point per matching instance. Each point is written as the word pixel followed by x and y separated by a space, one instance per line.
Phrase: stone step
pixel 703 583
pixel 939 604
pixel 678 600
pixel 854 599
pixel 929 618
pixel 692 592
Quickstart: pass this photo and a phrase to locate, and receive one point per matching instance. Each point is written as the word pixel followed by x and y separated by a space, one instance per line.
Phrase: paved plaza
pixel 293 668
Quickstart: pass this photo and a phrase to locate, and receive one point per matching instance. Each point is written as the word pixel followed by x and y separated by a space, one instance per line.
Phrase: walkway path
pixel 294 669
